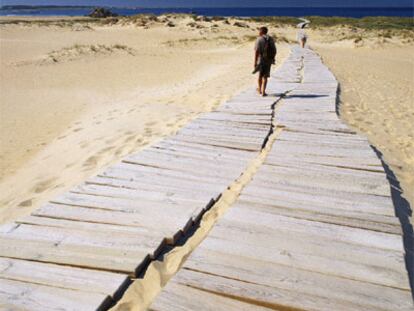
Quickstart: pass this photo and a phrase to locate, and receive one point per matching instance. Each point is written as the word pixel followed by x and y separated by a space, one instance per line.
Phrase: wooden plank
pixel 205 192
pixel 142 207
pixel 158 198
pixel 184 159
pixel 301 252
pixel 351 163
pixel 295 283
pixel 229 123
pixel 321 166
pixel 91 257
pixel 326 137
pixel 208 167
pixel 63 276
pixel 236 118
pixel 177 297
pixel 206 151
pixel 238 145
pixel 116 239
pixel 223 131
pixel 196 147
pixel 149 179
pixel 341 233
pixel 302 198
pixel 387 224
pixel 322 245
pixel 93 225
pixel 136 171
pixel 168 226
pixel 285 176
pixel 16 295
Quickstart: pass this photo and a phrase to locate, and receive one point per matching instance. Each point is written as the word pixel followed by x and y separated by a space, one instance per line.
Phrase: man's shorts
pixel 264 71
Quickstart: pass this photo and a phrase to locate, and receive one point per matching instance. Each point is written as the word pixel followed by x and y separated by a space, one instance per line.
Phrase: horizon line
pixel 199 7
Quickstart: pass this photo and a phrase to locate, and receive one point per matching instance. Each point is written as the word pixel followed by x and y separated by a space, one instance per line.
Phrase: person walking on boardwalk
pixel 264 57
pixel 302 36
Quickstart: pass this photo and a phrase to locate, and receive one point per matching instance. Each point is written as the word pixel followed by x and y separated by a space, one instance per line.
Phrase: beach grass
pixel 369 23
pixel 366 23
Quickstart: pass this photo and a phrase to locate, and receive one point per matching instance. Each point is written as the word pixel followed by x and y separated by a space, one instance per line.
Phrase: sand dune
pixel 78 52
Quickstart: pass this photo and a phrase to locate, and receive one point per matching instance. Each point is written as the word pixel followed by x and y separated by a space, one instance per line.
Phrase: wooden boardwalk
pixel 80 250
pixel 315 229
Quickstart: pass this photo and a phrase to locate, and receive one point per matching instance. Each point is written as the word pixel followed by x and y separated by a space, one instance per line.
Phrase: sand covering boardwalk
pixel 315 229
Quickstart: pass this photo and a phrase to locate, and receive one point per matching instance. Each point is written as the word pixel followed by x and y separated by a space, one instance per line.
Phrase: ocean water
pixel 240 12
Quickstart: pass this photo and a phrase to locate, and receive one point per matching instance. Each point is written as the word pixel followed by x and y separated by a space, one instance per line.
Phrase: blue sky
pixel 220 3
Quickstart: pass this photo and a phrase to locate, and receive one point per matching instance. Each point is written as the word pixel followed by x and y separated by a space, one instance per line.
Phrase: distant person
pixel 264 57
pixel 302 36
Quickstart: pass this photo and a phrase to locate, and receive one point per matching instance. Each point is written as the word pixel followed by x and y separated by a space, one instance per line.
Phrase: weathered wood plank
pixel 177 297
pixel 63 276
pixel 311 198
pixel 167 225
pixel 91 257
pixel 356 219
pixel 116 239
pixel 340 233
pixel 285 176
pixel 315 229
pixel 15 295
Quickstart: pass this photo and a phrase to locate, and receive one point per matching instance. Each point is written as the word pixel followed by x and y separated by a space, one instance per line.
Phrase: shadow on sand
pixel 403 211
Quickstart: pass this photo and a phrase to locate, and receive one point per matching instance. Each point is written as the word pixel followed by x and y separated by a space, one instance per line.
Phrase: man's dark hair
pixel 264 30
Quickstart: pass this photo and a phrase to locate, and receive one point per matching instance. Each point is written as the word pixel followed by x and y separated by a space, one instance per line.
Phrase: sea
pixel 237 12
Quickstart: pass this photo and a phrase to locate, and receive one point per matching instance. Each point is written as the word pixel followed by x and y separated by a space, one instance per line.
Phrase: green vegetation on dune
pixel 276 20
pixel 366 23
pixel 376 22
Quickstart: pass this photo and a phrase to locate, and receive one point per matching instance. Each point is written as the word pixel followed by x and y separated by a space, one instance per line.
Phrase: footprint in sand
pixel 129 138
pixel 43 185
pixel 26 203
pixel 105 150
pixel 91 162
pixel 118 152
pixel 151 123
pixel 70 165
pixel 78 129
pixel 84 144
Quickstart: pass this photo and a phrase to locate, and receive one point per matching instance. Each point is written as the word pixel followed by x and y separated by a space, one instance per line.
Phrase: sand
pixel 76 97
